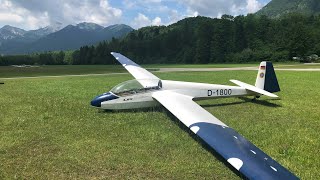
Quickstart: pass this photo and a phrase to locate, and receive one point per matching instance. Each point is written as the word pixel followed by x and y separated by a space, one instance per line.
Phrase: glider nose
pixel 96 102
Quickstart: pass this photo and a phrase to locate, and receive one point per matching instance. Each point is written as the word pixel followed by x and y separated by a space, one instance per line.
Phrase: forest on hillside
pixel 277 8
pixel 200 40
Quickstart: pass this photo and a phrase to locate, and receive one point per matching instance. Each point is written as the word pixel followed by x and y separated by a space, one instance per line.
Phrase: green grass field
pixel 49 131
pixel 300 66
pixel 10 71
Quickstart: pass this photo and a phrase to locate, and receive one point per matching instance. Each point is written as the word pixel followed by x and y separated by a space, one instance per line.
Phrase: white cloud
pixel 156 21
pixel 9 17
pixel 35 22
pixel 195 14
pixel 21 17
pixel 142 4
pixel 216 8
pixel 187 8
pixel 33 14
pixel 253 6
pixel 193 8
pixel 154 1
pixel 129 4
pixel 164 15
pixel 104 4
pixel 101 13
pixel 142 20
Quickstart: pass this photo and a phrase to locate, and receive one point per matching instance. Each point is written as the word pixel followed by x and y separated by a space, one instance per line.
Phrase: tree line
pixel 200 40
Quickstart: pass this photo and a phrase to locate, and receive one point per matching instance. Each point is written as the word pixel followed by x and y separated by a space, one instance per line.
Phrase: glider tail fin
pixel 266 78
pixel 266 82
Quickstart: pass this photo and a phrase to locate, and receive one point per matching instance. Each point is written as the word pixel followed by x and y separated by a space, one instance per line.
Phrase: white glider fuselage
pixel 142 98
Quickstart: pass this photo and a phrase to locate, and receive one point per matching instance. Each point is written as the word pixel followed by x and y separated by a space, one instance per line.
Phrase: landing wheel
pixel 255 98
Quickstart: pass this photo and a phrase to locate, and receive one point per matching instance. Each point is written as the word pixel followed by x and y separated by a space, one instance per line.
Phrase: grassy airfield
pixel 53 70
pixel 49 130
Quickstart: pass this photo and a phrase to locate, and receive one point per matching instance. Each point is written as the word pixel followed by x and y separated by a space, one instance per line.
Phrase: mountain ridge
pixel 278 8
pixel 52 38
pixel 9 32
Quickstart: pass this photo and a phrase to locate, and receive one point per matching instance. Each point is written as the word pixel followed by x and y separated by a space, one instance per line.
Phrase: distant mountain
pixel 12 39
pixel 277 8
pixel 53 38
pixel 89 26
pixel 8 32
pixel 73 37
pixel 36 34
pixel 118 28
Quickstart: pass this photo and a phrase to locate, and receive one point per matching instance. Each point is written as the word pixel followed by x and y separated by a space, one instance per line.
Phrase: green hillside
pixel 200 40
pixel 277 8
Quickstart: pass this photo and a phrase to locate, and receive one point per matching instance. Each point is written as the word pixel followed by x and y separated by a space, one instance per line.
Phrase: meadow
pixel 49 130
pixel 54 70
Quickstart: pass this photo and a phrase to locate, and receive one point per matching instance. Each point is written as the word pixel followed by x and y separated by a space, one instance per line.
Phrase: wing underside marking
pixel 239 152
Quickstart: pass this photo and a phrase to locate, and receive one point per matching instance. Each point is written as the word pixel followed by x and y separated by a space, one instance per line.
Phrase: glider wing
pixel 144 77
pixel 239 152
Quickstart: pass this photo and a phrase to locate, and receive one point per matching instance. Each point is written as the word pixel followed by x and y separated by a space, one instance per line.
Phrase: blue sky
pixel 33 14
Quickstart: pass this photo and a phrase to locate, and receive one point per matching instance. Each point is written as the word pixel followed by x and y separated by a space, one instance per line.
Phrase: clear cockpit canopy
pixel 135 86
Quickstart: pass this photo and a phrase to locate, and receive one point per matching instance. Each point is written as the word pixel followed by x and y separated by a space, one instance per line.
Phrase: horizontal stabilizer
pixel 254 89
